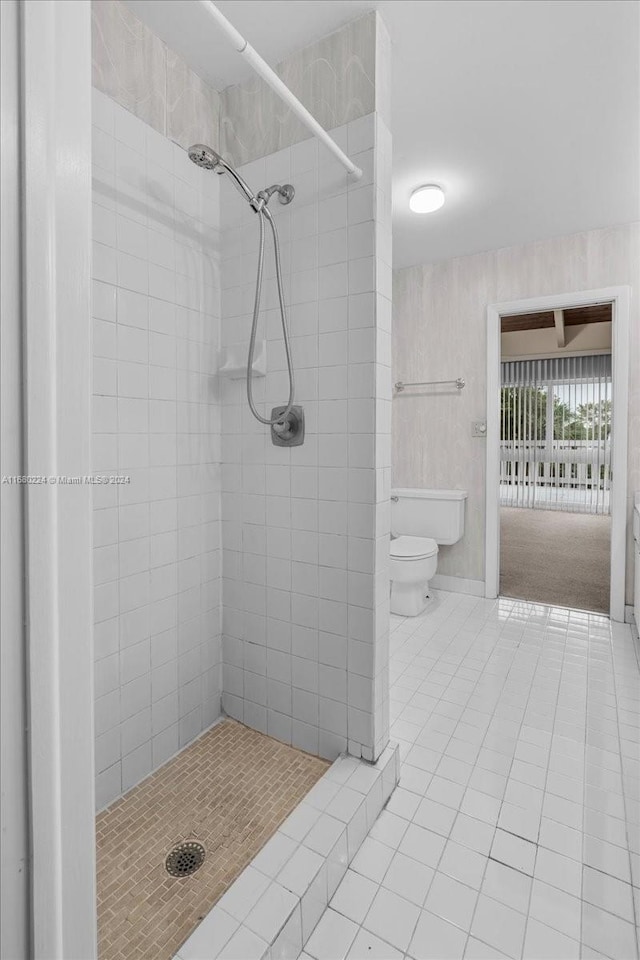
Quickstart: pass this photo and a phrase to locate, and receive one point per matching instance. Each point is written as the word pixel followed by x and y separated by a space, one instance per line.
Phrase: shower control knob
pixel 288 432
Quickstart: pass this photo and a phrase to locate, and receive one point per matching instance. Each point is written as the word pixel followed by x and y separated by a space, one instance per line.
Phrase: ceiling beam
pixel 572 316
pixel 558 319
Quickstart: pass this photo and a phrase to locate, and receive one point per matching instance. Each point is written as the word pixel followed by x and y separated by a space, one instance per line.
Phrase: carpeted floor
pixel 555 557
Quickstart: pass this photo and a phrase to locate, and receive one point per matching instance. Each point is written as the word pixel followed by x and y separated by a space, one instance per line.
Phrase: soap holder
pixel 233 361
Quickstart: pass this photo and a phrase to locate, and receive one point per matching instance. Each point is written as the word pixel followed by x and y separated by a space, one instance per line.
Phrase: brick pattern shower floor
pixel 230 790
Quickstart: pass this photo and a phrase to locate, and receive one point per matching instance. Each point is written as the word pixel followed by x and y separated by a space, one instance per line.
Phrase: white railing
pixel 556 475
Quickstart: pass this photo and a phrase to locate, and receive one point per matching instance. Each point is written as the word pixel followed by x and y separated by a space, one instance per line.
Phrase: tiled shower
pixel 305 528
pixel 157 557
pixel 232 575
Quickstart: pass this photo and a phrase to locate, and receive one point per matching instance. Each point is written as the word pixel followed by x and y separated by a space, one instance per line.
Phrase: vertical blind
pixel 556 433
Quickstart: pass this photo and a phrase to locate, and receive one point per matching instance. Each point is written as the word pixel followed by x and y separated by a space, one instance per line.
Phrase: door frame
pixel 55 124
pixel 619 297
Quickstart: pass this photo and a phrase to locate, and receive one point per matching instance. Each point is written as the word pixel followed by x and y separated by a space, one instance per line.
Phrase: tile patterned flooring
pixel 515 830
pixel 230 790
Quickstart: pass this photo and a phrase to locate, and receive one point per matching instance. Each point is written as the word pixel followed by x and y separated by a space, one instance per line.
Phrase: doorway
pixel 555 519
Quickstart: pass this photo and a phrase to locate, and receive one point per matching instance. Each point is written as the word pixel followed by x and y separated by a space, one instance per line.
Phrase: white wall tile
pixel 141 536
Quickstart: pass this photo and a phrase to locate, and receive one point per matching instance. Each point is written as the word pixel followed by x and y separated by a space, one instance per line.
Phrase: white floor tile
pixel 208 939
pixel 404 802
pixel 243 945
pixel 476 950
pixel 481 805
pixel 499 926
pixel 511 785
pixel 435 816
pixel 372 859
pixel 543 943
pixel 422 845
pixel 473 833
pixel 367 946
pixel 556 909
pixel 435 939
pixel 607 857
pixel 561 839
pixel 507 885
pixel 389 829
pixel 608 934
pixel 463 864
pixel 392 918
pixel 451 900
pixel 324 834
pixel 354 896
pixel 244 893
pixel 409 878
pixel 559 871
pixel 332 938
pixel 445 791
pixel 271 911
pixel 514 851
pixel 300 869
pixel 608 893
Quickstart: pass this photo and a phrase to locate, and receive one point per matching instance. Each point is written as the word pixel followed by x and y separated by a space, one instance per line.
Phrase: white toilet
pixel 420 520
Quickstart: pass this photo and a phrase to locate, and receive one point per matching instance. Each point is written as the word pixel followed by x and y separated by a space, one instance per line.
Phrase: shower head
pixel 206 157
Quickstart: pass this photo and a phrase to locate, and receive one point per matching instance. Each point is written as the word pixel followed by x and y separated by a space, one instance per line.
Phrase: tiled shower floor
pixel 230 790
pixel 515 830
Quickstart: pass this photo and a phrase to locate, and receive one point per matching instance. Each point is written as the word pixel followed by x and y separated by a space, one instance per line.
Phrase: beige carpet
pixel 555 557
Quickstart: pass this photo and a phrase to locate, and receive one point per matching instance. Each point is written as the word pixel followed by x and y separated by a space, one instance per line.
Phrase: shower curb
pixel 271 909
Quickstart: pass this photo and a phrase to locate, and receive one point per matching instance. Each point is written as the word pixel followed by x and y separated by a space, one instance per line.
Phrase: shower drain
pixel 185 859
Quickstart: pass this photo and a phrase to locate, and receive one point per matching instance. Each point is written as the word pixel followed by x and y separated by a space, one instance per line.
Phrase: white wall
pixel 155 418
pixel 305 529
pixel 439 330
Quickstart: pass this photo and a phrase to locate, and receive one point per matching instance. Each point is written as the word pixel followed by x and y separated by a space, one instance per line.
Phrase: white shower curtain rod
pixel 276 84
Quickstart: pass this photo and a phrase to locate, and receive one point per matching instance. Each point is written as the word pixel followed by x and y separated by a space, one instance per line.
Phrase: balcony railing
pixel 556 475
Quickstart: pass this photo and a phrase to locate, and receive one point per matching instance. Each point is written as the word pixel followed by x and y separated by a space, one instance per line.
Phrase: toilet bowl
pixel 413 563
pixel 420 520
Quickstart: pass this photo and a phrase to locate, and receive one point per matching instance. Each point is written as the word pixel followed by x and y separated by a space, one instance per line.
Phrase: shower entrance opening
pixel 555 520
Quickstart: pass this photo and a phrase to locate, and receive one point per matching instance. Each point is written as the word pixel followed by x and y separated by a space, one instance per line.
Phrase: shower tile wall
pixel 156 308
pixel 305 529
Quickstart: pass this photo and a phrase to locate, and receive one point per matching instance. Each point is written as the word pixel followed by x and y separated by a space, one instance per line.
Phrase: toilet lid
pixel 413 548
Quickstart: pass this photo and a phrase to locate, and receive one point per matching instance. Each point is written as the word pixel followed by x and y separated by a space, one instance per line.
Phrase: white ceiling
pixel 525 111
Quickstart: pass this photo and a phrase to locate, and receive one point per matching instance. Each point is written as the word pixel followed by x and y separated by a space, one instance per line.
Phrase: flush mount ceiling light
pixel 426 199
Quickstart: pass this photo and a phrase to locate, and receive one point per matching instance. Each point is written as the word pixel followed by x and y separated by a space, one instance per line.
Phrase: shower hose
pixel 264 214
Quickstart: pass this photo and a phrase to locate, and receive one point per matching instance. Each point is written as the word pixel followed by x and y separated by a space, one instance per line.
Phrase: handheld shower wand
pixel 287 423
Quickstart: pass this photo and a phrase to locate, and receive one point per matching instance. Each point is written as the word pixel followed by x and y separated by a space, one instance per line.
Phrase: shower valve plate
pixel 294 435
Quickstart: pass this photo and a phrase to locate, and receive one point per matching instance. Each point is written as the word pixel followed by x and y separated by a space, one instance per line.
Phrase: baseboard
pixel 474 588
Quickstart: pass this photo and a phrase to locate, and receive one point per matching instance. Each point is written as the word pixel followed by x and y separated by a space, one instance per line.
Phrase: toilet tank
pixel 438 514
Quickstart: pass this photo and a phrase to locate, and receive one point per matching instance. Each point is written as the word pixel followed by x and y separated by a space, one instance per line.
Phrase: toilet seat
pixel 413 548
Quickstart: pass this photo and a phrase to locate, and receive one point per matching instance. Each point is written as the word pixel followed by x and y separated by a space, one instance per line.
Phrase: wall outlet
pixel 479 428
